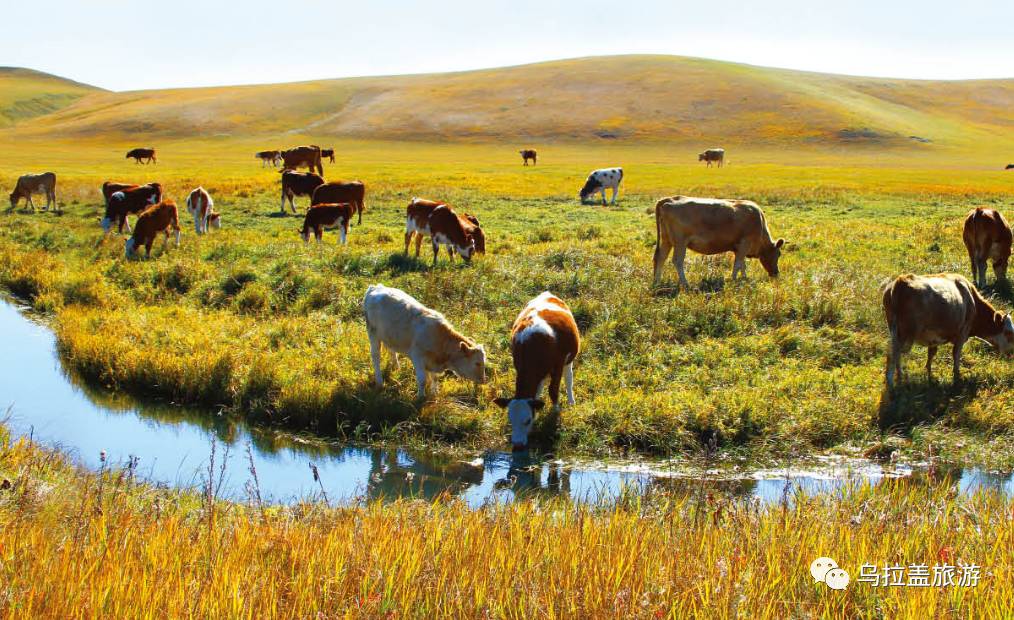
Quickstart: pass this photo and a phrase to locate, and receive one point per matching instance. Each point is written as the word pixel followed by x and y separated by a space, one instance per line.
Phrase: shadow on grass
pixel 400 263
pixel 707 285
pixel 918 401
pixel 1001 290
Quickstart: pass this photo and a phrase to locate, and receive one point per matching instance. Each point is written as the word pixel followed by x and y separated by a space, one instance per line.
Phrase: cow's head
pixel 521 414
pixel 701 157
pixel 1000 268
pixel 469 362
pixel 304 232
pixel 769 257
pixel 590 187
pixel 467 251
pixel 14 199
pixel 215 220
pixel 1003 340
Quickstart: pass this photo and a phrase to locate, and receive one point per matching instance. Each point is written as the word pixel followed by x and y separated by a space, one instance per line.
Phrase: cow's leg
pixel 436 249
pixel 375 346
pixel 980 280
pixel 147 246
pixel 419 363
pixel 893 357
pixel 31 203
pixel 975 268
pixel 616 190
pixel 739 264
pixel 283 202
pixel 679 258
pixel 318 233
pixel 361 207
pixel 568 378
pixel 662 250
pixel 408 241
pixel 418 243
pixel 542 386
pixel 554 387
pixel 931 352
pixel 344 234
pixel 177 233
pixel 603 192
pixel 956 355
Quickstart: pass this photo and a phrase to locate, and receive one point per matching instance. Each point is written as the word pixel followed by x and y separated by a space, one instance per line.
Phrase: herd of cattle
pixel 930 310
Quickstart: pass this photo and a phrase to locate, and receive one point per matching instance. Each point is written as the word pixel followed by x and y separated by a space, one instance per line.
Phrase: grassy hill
pixel 626 98
pixel 26 94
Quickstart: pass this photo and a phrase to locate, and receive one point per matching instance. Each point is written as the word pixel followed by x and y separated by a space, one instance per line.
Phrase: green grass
pixel 27 94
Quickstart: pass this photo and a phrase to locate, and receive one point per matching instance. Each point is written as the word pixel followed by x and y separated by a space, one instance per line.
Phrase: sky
pixel 127 45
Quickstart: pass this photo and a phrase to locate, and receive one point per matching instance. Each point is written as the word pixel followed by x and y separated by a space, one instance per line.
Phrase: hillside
pixel 25 94
pixel 632 98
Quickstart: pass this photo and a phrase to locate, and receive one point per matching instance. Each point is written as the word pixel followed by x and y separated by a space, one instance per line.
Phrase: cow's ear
pixel 502 402
pixel 779 243
pixel 537 403
pixel 464 346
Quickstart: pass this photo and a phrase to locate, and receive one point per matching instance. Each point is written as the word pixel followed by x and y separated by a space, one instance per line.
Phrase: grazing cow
pixel 713 226
pixel 712 155
pixel 329 153
pixel 418 214
pixel 474 232
pixel 352 192
pixel 155 219
pixel 987 236
pixel 202 208
pixel 935 310
pixel 442 225
pixel 327 217
pixel 148 155
pixel 269 157
pixel 544 343
pixel 127 201
pixel 527 154
pixel 308 156
pixel 111 187
pixel 29 184
pixel 298 184
pixel 598 181
pixel 397 321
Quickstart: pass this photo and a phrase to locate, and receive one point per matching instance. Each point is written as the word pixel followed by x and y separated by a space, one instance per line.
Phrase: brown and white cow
pixel 111 187
pixel 442 225
pixel 394 319
pixel 202 208
pixel 298 184
pixel 308 156
pixel 527 154
pixel 352 192
pixel 712 156
pixel 713 226
pixel 987 237
pixel 939 309
pixel 544 344
pixel 160 218
pixel 269 157
pixel 143 155
pixel 327 217
pixel 329 153
pixel 127 201
pixel 29 184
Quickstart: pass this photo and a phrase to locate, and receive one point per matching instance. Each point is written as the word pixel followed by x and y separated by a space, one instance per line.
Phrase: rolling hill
pixel 623 98
pixel 26 94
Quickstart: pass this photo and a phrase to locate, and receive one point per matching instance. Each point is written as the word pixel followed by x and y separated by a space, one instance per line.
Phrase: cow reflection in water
pixel 395 473
pixel 524 478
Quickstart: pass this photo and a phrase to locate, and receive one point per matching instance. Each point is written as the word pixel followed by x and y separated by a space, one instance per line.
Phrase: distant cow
pixel 397 321
pixel 202 208
pixel 308 156
pixel 329 153
pixel 544 343
pixel 935 310
pixel 127 201
pixel 29 184
pixel 1009 167
pixel 160 218
pixel 987 237
pixel 269 157
pixel 352 192
pixel 417 225
pixel 436 220
pixel 712 155
pixel 147 155
pixel 298 184
pixel 323 217
pixel 713 226
pixel 598 181
pixel 527 154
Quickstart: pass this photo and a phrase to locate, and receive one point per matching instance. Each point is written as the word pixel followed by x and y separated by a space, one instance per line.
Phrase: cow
pixel 29 184
pixel 202 208
pixel 527 154
pixel 127 201
pixel 111 187
pixel 987 236
pixel 545 342
pixel 436 220
pixel 308 156
pixel 269 157
pixel 712 155
pixel 473 231
pixel 352 192
pixel 713 226
pixel 146 154
pixel 329 153
pixel 420 209
pixel 323 217
pixel 159 218
pixel 1009 167
pixel 397 321
pixel 938 309
pixel 298 184
pixel 598 181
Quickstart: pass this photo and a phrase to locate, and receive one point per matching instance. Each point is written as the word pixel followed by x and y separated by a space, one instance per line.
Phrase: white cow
pixel 599 180
pixel 202 209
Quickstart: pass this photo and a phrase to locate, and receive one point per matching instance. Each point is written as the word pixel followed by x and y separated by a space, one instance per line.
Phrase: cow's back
pixel 709 225
pixel 929 309
pixel 986 234
pixel 399 319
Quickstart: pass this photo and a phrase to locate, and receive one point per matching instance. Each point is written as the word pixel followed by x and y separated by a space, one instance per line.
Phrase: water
pixel 173 445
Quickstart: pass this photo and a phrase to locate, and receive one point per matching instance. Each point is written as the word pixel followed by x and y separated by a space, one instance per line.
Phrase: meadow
pixel 250 319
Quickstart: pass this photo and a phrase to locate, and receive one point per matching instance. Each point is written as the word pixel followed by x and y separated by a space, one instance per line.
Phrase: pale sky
pixel 126 45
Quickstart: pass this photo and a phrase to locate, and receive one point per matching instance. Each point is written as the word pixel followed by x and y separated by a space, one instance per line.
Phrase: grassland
pixel 27 94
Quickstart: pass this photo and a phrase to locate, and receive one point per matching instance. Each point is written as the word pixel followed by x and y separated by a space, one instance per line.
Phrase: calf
pixel 155 219
pixel 145 154
pixel 202 208
pixel 987 236
pixel 269 157
pixel 329 153
pixel 308 156
pixel 713 226
pixel 544 344
pixel 712 156
pixel 598 181
pixel 352 192
pixel 327 217
pixel 29 184
pixel 128 201
pixel 442 225
pixel 527 154
pixel 298 184
pixel 397 321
